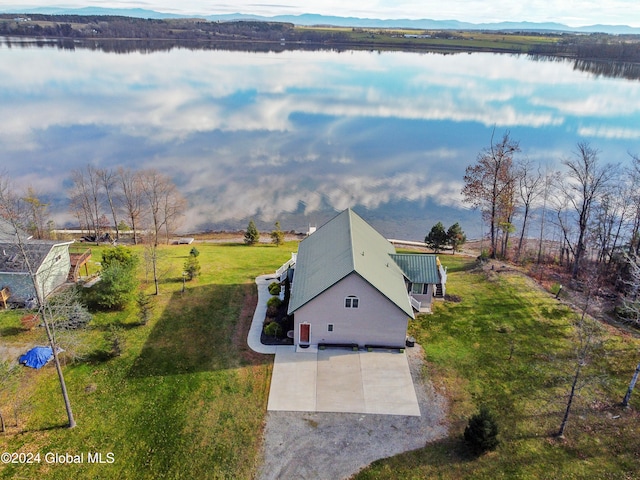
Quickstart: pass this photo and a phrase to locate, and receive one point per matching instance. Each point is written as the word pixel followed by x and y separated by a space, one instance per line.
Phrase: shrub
pixel 274 302
pixel 118 280
pixel 194 252
pixel 273 329
pixel 192 267
pixel 277 235
pixel 274 288
pixel 115 341
pixel 481 434
pixel 66 312
pixel 145 306
pixel 115 289
pixel 251 236
pixel 122 255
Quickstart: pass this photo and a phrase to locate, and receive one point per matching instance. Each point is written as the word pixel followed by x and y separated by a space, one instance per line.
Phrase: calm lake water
pixel 297 135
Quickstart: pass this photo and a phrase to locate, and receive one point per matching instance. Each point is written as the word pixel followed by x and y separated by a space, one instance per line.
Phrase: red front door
pixel 305 332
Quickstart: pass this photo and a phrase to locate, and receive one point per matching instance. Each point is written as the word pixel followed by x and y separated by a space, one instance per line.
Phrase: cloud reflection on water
pixel 262 134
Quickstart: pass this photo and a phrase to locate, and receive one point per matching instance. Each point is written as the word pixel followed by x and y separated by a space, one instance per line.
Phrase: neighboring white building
pixel 49 261
pixel 350 287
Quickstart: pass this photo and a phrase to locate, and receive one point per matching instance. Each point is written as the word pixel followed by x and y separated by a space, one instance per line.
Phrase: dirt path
pixel 305 445
pixel 11 353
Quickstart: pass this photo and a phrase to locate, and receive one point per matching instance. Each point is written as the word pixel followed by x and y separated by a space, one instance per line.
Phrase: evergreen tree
pixel 481 434
pixel 192 265
pixel 456 237
pixel 437 237
pixel 118 280
pixel 145 306
pixel 277 235
pixel 251 236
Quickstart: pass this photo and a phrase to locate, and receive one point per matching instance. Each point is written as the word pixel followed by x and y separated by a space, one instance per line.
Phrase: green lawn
pixel 472 40
pixel 510 346
pixel 185 400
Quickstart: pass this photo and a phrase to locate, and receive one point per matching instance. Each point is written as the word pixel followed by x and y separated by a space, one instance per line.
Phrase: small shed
pixel 48 260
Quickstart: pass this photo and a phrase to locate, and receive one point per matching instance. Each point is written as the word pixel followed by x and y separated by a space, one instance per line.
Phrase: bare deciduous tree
pixel 37 215
pixel 165 205
pixel 530 182
pixel 546 189
pixel 633 174
pixel 588 339
pixel 585 181
pixel 86 198
pixel 131 198
pixel 489 184
pixel 164 202
pixel 108 180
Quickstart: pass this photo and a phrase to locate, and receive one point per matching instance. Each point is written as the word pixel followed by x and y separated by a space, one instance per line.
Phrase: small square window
pixel 330 327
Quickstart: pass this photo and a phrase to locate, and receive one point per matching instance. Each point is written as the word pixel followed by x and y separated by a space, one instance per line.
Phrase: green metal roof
pixel 418 268
pixel 344 245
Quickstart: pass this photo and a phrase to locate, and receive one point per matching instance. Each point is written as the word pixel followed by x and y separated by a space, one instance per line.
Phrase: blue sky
pixel 570 12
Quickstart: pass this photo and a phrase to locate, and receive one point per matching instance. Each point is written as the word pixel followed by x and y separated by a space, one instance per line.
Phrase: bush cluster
pixel 273 329
pixel 274 302
pixel 274 288
pixel 118 281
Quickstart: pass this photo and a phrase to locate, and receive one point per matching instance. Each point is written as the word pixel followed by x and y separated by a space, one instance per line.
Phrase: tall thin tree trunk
pixel 523 232
pixel 567 411
pixel 627 397
pixel 56 361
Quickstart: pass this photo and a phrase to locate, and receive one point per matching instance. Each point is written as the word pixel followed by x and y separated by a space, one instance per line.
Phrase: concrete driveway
pixel 336 380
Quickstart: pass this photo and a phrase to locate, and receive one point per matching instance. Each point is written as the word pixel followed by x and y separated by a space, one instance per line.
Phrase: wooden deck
pixel 78 260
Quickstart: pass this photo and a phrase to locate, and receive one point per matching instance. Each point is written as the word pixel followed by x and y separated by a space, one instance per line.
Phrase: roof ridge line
pixel 351 242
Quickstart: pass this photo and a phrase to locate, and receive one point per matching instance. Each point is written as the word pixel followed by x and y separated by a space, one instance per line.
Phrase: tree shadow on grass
pixel 202 330
pixel 12 331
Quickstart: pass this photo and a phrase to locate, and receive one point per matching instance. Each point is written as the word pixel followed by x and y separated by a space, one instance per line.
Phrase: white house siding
pixel 376 321
pixel 54 270
pixel 425 299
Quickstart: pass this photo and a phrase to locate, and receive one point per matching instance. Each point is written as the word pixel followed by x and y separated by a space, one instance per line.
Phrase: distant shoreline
pixel 101 31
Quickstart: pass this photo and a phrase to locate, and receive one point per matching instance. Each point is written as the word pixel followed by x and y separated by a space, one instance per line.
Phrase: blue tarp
pixel 37 357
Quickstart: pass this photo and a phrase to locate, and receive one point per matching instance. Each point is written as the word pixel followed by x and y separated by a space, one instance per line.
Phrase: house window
pixel 351 302
pixel 330 327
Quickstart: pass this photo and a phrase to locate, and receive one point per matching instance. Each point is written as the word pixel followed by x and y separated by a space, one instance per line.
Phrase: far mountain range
pixel 313 19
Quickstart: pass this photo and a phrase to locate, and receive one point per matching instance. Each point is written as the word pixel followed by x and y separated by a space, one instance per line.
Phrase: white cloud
pixel 185 106
pixel 618 133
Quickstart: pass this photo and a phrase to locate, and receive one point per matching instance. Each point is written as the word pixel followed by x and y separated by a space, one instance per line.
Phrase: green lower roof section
pixel 418 268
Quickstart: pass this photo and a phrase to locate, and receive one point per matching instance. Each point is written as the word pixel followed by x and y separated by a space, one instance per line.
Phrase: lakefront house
pixel 350 287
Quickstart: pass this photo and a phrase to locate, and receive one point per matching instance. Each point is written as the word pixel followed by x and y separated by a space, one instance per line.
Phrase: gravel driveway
pixel 304 445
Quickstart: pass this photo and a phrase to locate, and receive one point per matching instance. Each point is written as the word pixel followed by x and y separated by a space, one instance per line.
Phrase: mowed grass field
pixel 460 40
pixel 187 399
pixel 511 346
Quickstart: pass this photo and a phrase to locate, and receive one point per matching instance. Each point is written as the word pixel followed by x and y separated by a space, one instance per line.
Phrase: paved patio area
pixel 336 380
